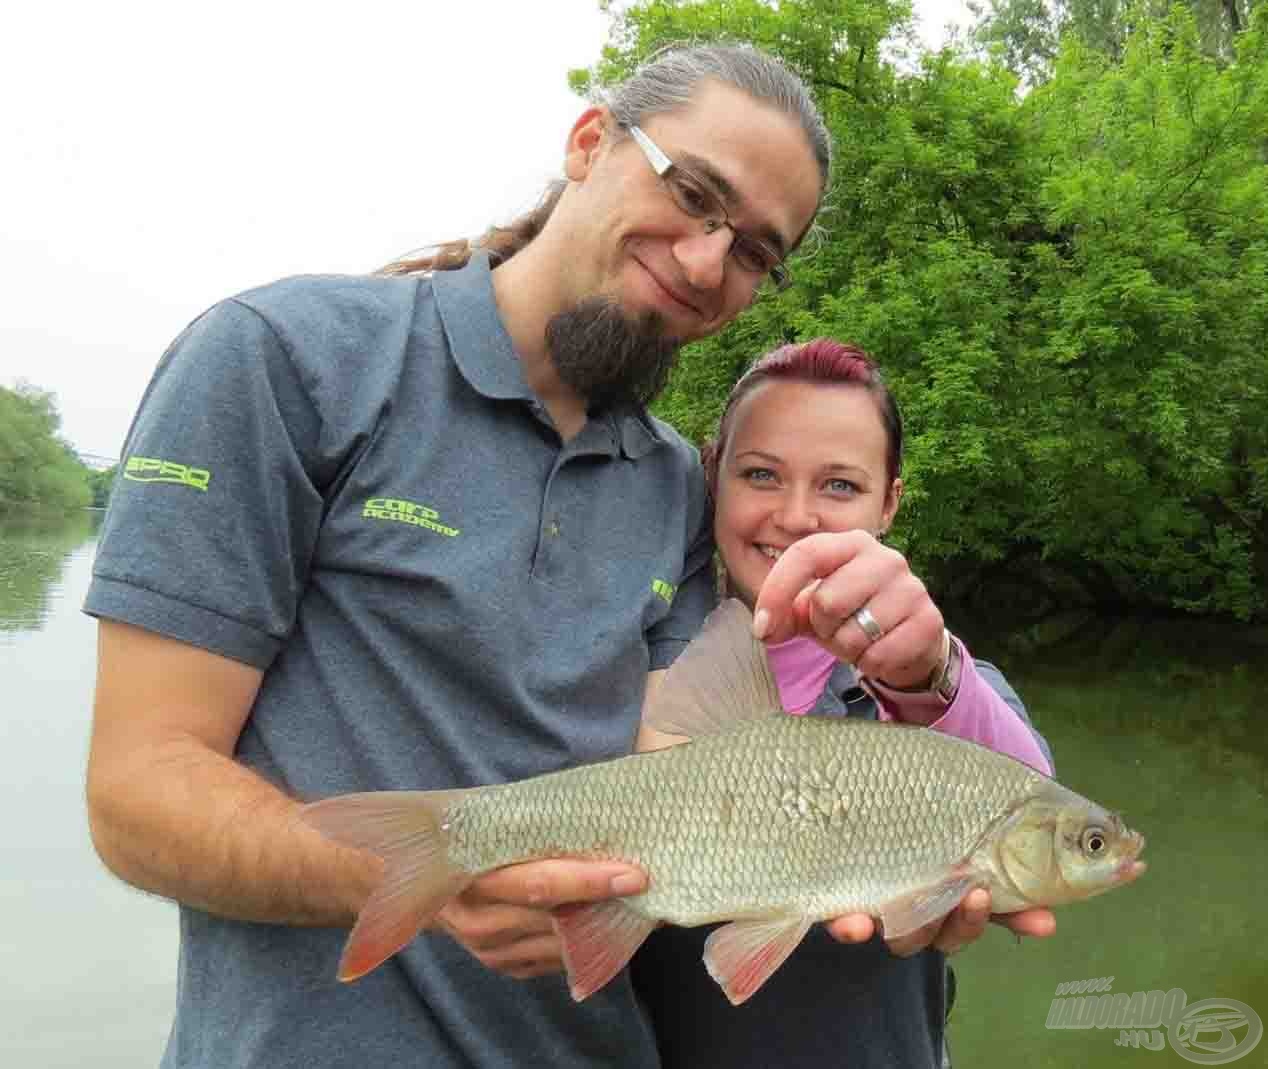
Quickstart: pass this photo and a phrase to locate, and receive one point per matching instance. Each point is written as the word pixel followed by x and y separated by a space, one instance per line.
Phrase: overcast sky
pixel 157 155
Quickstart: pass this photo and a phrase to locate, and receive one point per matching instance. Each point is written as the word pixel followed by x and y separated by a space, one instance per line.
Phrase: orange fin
pixel 743 955
pixel 407 830
pixel 928 904
pixel 599 938
pixel 720 680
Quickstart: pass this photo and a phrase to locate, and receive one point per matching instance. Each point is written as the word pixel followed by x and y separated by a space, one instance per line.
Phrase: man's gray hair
pixel 670 78
pixel 665 82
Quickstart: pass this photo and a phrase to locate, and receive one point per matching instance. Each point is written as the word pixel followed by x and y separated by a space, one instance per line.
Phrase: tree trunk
pixel 1234 20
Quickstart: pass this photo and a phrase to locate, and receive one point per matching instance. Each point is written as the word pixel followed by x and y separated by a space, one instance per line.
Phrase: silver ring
pixel 868 625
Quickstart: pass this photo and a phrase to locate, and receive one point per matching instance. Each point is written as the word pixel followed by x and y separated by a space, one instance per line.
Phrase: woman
pixel 804 475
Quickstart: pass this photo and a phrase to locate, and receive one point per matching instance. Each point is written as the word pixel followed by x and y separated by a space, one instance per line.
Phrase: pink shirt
pixel 801 668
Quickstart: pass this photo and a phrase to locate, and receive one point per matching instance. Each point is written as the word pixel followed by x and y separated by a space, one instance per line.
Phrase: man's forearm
pixel 183 821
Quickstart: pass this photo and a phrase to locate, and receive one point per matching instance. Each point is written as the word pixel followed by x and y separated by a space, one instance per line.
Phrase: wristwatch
pixel 944 680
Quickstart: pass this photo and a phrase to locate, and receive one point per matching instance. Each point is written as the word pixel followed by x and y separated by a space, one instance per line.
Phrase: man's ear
pixel 584 141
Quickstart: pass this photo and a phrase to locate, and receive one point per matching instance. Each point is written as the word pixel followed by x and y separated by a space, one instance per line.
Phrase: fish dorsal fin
pixel 721 679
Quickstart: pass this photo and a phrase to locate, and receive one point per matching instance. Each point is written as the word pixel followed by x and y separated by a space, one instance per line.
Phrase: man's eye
pixel 752 255
pixel 692 197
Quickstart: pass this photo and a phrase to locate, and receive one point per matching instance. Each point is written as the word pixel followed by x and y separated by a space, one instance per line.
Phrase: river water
pixel 1163 720
pixel 90 964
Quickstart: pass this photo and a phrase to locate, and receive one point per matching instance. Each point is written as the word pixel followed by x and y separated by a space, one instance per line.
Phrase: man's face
pixel 628 239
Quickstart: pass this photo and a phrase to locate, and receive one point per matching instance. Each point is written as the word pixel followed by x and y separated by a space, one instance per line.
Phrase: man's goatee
pixel 609 358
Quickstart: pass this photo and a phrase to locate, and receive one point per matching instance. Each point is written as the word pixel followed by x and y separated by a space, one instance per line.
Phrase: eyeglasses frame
pixel 777 276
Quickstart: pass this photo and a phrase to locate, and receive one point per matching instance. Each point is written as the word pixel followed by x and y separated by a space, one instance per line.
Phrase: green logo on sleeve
pixel 400 511
pixel 153 470
pixel 664 590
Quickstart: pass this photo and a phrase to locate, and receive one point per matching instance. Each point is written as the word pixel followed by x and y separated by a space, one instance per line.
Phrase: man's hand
pixel 963 925
pixel 503 918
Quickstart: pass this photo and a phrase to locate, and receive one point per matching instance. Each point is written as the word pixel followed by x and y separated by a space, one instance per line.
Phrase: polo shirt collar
pixel 477 338
pixel 485 355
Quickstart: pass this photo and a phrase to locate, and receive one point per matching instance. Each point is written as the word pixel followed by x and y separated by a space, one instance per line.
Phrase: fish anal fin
pixel 408 831
pixel 392 916
pixel 721 679
pixel 926 904
pixel 743 955
pixel 598 939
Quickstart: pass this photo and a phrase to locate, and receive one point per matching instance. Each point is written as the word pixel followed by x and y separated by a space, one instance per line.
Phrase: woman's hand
pixel 820 583
pixel 503 917
pixel 963 925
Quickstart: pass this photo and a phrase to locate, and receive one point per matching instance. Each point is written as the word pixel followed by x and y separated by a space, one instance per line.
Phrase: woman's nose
pixel 798 515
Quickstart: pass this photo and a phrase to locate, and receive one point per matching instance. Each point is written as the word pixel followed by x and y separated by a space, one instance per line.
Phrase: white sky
pixel 158 155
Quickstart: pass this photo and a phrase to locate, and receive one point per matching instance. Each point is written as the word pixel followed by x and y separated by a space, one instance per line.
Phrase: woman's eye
pixel 841 486
pixel 758 475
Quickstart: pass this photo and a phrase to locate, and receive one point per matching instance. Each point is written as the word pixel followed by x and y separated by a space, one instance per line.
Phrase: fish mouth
pixel 1129 870
pixel 1131 867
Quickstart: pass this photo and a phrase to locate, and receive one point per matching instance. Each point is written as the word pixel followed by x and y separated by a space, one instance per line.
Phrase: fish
pixel 768 821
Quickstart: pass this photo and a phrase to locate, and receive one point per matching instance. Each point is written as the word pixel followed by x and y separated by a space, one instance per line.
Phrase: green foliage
pixel 1028 33
pixel 1067 290
pixel 38 471
pixel 99 483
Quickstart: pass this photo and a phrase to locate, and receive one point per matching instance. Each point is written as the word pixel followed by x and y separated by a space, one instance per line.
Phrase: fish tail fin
pixel 408 830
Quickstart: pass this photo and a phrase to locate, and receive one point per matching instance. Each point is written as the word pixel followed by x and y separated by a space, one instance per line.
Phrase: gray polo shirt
pixel 347 483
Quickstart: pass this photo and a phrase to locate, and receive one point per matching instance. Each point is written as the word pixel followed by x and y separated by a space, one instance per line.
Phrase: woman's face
pixel 802 458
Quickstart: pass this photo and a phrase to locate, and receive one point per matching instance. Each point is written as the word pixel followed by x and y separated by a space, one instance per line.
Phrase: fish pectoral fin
pixel 926 904
pixel 407 830
pixel 598 939
pixel 720 680
pixel 743 955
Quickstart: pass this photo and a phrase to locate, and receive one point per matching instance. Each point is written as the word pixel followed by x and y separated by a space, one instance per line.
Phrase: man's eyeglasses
pixel 697 199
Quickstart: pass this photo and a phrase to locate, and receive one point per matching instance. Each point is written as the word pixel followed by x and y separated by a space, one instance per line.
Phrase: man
pixel 420 532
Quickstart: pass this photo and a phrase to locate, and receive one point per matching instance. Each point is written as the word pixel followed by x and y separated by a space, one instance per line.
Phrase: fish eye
pixel 1093 841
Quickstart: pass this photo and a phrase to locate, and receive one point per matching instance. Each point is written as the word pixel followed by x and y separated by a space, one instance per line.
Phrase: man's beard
pixel 608 358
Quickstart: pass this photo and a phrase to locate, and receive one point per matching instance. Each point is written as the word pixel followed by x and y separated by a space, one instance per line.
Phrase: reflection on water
pixel 1163 720
pixel 90 964
pixel 33 551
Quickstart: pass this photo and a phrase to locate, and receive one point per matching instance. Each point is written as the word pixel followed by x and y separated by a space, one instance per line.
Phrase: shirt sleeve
pixel 696 595
pixel 986 710
pixel 213 521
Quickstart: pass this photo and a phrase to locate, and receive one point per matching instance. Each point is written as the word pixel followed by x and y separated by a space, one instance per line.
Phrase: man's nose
pixel 703 254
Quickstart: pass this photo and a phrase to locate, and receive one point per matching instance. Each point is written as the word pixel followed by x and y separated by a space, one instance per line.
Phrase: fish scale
pixel 767 820
pixel 827 814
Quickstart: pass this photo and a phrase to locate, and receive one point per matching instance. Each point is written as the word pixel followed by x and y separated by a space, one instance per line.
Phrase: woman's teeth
pixel 770 551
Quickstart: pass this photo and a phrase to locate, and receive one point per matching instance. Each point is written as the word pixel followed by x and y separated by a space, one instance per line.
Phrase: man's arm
pixel 173 813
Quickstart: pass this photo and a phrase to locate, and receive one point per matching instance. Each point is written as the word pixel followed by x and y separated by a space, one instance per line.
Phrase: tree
pixel 1029 32
pixel 1067 289
pixel 38 470
pixel 100 483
